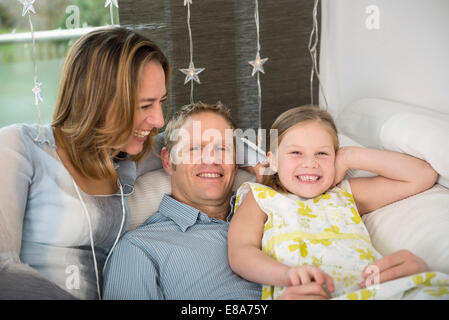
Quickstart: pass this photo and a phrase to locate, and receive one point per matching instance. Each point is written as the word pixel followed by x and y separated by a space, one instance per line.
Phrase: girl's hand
pixel 310 291
pixel 340 165
pixel 307 274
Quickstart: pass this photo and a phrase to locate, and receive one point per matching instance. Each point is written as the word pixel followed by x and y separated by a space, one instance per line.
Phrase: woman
pixel 65 185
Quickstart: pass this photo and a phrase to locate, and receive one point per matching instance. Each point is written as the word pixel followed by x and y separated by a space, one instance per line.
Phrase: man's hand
pixel 393 266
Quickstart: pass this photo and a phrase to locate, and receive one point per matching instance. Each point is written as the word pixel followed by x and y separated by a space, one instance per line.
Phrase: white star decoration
pixel 187 2
pixel 37 90
pixel 27 6
pixel 257 64
pixel 192 73
pixel 110 3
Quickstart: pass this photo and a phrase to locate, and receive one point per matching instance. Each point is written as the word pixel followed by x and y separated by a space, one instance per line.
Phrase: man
pixel 181 251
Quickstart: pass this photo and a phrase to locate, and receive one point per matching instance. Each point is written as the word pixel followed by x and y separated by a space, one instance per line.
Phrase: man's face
pixel 202 163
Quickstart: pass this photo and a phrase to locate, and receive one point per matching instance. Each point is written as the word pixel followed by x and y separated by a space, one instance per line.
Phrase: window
pixel 56 24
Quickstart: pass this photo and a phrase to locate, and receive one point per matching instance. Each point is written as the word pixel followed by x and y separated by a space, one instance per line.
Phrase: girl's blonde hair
pixel 101 76
pixel 291 118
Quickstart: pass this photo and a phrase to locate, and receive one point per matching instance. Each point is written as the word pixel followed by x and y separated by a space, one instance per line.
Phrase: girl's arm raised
pixel 400 176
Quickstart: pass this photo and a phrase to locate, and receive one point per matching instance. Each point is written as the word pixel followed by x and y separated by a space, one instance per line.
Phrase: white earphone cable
pixel 121 228
pixel 90 236
pixel 86 212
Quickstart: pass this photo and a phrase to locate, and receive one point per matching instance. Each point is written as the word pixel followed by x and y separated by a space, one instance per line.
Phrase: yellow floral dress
pixel 328 232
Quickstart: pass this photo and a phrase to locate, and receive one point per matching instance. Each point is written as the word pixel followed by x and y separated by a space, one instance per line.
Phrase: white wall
pixel 405 60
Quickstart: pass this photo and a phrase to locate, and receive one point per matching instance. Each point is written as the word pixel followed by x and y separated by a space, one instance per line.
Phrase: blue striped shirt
pixel 179 253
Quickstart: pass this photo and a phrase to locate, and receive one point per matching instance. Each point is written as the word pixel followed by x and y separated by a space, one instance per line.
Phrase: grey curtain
pixel 224 40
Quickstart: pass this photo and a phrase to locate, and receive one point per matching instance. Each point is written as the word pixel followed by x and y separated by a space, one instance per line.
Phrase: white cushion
pixel 382 124
pixel 421 136
pixel 150 188
pixel 419 223
pixel 148 192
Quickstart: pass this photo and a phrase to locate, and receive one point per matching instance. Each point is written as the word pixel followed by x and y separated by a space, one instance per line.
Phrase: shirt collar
pixel 184 215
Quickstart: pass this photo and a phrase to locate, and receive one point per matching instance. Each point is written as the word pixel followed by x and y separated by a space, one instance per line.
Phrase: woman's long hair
pixel 101 77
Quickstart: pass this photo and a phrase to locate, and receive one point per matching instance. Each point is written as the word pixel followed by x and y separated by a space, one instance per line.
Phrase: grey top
pixel 44 232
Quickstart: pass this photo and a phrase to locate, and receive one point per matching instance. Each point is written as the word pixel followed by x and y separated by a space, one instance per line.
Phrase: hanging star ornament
pixel 110 3
pixel 257 64
pixel 27 6
pixel 187 2
pixel 37 90
pixel 192 73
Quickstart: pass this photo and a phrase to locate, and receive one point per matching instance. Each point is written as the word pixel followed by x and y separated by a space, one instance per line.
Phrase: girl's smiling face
pixel 305 159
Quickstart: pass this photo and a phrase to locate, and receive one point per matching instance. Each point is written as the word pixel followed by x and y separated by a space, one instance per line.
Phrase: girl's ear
pixel 272 161
pixel 166 161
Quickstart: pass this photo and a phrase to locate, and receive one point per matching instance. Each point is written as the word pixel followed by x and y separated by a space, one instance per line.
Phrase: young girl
pixel 303 225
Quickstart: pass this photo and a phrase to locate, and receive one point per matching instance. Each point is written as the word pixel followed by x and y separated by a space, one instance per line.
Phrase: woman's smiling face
pixel 149 115
pixel 305 159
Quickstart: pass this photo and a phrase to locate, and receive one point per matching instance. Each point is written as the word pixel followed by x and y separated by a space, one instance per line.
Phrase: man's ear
pixel 272 161
pixel 166 161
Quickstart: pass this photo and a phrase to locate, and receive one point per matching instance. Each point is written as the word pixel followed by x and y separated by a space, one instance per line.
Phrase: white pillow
pixel 148 192
pixel 363 119
pixel 421 136
pixel 382 124
pixel 419 223
pixel 150 188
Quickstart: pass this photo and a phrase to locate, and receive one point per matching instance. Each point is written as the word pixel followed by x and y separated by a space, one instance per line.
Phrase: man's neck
pixel 220 213
pixel 213 209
